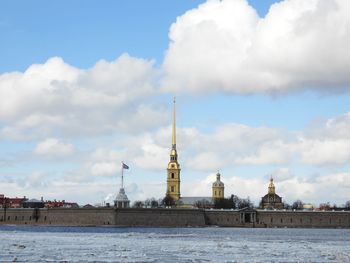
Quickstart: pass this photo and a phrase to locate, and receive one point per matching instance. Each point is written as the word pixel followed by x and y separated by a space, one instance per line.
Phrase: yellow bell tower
pixel 218 188
pixel 173 180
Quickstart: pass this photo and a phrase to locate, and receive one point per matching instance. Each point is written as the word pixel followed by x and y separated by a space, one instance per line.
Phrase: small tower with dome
pixel 218 188
pixel 271 200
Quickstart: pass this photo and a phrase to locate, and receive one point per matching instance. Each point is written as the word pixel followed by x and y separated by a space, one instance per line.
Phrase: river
pixel 108 244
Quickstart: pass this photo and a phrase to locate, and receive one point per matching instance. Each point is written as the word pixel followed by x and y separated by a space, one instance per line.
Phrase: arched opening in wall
pixel 281 220
pixel 271 219
pixel 15 218
pixel 8 218
pixel 30 218
pixel 172 175
pixel 291 220
pixel 44 218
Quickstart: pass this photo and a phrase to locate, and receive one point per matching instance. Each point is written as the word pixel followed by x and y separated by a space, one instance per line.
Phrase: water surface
pixel 107 244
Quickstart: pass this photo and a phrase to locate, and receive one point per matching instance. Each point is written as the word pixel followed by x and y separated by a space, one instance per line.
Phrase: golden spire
pixel 271 187
pixel 173 153
pixel 174 126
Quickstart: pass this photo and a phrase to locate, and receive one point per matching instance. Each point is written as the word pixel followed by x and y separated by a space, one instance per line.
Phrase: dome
pixel 121 196
pixel 218 182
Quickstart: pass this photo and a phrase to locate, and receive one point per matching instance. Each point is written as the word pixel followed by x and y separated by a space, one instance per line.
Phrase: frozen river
pixel 91 244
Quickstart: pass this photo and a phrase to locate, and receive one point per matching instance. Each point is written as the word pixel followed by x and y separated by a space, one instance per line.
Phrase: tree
pixel 325 206
pixel 245 203
pixel 154 203
pixel 235 201
pixel 297 205
pixel 203 204
pixel 224 203
pixel 347 205
pixel 287 206
pixel 138 204
pixel 168 200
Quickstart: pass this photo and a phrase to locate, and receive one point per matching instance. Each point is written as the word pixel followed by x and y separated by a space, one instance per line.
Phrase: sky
pixel 262 90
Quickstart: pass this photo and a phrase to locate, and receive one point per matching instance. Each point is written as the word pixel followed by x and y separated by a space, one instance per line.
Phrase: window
pixel 172 175
pixel 173 189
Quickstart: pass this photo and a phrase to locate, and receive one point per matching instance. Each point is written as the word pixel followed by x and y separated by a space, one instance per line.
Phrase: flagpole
pixel 122 174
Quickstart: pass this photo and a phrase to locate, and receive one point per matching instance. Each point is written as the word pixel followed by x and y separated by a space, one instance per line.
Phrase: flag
pixel 125 166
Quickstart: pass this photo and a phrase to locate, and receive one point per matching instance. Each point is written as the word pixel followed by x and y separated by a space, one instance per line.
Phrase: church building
pixel 173 171
pixel 173 180
pixel 271 200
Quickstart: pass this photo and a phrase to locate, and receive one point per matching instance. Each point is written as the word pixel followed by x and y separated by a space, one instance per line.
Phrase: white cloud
pixel 224 45
pixel 54 147
pixel 56 99
pixel 105 169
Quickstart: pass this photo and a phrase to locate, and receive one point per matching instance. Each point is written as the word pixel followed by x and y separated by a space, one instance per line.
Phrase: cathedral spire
pixel 174 126
pixel 173 153
pixel 173 178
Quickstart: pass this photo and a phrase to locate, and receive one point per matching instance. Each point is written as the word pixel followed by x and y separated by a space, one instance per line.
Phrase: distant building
pixel 271 200
pixel 9 202
pixel 34 203
pixel 61 204
pixel 218 188
pixel 195 202
pixel 122 200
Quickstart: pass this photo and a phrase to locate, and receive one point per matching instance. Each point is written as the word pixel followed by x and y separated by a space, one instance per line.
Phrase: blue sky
pixel 84 86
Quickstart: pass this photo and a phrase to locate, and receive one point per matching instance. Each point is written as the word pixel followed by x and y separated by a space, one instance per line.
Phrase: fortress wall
pixel 19 216
pixel 59 216
pixel 81 216
pixel 160 217
pixel 303 219
pixel 172 217
pixel 223 218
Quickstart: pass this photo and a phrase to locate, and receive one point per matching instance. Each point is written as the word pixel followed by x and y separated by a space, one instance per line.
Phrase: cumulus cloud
pixel 105 168
pixel 54 147
pixel 226 46
pixel 56 99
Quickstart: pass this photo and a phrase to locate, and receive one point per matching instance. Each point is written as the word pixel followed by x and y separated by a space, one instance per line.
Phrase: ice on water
pixel 79 244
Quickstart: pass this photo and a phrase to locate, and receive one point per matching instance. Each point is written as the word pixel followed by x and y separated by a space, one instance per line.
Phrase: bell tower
pixel 173 179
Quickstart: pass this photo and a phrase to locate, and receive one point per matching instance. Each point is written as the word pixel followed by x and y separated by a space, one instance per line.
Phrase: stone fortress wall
pixel 133 217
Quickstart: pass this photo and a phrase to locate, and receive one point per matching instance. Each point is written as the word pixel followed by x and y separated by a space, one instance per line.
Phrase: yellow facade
pixel 173 177
pixel 218 188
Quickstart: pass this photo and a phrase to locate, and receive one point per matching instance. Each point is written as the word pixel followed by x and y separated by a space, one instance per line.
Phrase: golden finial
pixel 271 188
